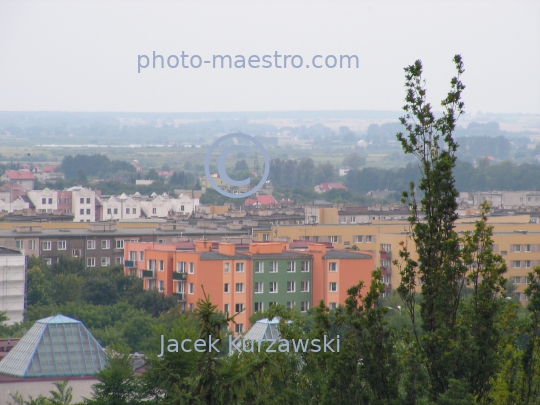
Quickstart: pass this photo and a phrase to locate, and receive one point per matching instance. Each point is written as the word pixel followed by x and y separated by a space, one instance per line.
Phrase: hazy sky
pixel 82 55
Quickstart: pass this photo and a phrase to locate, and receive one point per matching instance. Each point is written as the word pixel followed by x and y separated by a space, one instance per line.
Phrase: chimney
pixel 228 249
pixel 203 246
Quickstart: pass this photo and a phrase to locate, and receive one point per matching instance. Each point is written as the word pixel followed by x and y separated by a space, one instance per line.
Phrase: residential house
pixel 23 177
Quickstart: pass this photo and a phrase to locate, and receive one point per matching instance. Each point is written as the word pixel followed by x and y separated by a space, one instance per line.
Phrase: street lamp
pixel 398 309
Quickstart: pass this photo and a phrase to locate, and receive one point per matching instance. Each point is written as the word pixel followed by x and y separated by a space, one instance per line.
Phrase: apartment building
pixel 44 201
pixel 502 199
pixel 516 238
pixel 12 284
pixel 84 205
pixel 246 279
pixel 120 207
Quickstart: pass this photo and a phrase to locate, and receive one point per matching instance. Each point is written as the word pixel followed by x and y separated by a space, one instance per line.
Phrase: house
pixel 23 177
pixel 9 192
pixel 261 200
pixel 344 170
pixel 45 201
pixel 121 207
pixel 325 187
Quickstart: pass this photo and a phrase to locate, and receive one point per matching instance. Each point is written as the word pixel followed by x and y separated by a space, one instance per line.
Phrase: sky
pixel 83 55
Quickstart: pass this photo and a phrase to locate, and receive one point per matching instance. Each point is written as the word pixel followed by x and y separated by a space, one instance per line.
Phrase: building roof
pixel 282 255
pixel 219 256
pixel 261 200
pixel 12 186
pixel 331 186
pixel 345 254
pixel 264 330
pixel 19 175
pixel 4 251
pixel 57 346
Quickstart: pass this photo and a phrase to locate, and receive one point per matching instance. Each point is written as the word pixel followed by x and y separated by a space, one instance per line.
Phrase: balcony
pixel 179 276
pixel 387 287
pixel 385 271
pixel 148 274
pixel 130 263
pixel 385 255
pixel 179 296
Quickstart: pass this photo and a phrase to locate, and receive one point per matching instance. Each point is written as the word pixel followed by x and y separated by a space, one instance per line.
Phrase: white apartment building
pixel 120 207
pixel 45 201
pixel 185 204
pixel 16 205
pixel 83 204
pixel 12 284
pixel 161 205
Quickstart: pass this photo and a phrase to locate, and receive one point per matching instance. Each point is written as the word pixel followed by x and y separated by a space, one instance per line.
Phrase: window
pixel 132 255
pixel 291 286
pixel 332 267
pixel 88 200
pixel 32 245
pixel 526 248
pixel 353 220
pixel 105 261
pixel 290 304
pixel 190 307
pixel 239 328
pixel 161 285
pixel 81 200
pixel 106 244
pixel 304 266
pixel 516 263
pixel 272 303
pixel 386 247
pixel 119 244
pixel 259 267
pixel 115 211
pixel 239 287
pixel 385 263
pixel 19 244
pixel 239 267
pixel 191 288
pixel 273 267
pixel 66 201
pixel 191 268
pixel 227 267
pixel 109 211
pixel 127 210
pixel 273 287
pixel 81 211
pixel 88 211
pixel 332 305
pixel 239 308
pixel 76 253
pixel 181 208
pixel 47 245
pixel 369 238
pixel 259 306
pixel 181 267
pixel 304 306
pixel 304 286
pixel 334 239
pixel 134 211
pixel 525 297
pixel 154 210
pixel 258 289
pixel 343 220
pixel 386 280
pixel 61 245
pixel 358 239
pixel 266 237
pixel 119 260
pixel 226 287
pixel 332 287
pixel 49 261
pixel 180 287
pixel 50 201
pixel 516 280
pixel 151 264
pixel 526 263
pixel 504 253
pixel 90 262
pixel 90 244
pixel 226 308
pixel 161 266
pixel 291 267
pixel 517 248
pixel 526 280
pixel 141 256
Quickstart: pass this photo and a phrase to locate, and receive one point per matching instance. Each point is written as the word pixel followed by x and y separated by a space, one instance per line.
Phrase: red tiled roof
pixel 13 187
pixel 49 169
pixel 261 199
pixel 19 175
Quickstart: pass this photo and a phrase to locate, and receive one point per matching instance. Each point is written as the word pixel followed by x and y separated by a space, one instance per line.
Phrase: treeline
pixel 93 165
pixel 292 173
pixel 115 307
pixel 502 176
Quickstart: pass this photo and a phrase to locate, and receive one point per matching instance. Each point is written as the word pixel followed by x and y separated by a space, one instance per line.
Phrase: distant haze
pixel 82 56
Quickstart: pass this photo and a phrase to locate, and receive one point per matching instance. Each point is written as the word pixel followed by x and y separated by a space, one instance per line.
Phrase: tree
pixel 152 175
pixel 354 160
pixel 451 326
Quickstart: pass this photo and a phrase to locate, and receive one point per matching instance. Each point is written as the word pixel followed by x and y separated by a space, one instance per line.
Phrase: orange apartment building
pixel 245 279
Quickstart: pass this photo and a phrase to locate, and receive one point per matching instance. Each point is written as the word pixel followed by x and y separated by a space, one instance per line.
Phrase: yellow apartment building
pixel 516 238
